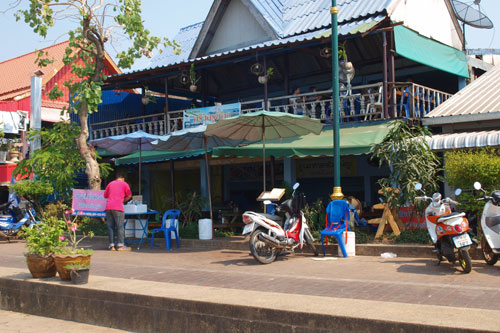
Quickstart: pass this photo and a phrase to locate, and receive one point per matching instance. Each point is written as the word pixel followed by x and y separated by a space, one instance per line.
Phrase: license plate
pixel 462 240
pixel 248 229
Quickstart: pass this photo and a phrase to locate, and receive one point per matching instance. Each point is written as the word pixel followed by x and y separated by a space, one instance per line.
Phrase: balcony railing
pixel 360 104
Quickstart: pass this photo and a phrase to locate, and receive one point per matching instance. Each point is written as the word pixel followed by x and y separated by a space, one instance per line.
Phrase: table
pixel 143 218
pixel 229 219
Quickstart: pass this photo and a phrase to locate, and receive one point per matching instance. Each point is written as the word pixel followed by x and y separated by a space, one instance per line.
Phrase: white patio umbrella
pixel 264 125
pixel 193 139
pixel 128 143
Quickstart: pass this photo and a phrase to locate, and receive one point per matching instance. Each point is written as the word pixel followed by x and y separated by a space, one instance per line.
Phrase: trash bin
pixel 205 228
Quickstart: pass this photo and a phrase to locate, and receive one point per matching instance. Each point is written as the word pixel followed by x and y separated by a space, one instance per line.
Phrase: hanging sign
pixel 210 114
pixel 89 203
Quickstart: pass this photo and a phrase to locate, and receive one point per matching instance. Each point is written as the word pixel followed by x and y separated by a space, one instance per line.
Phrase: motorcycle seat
pixel 275 218
pixel 449 216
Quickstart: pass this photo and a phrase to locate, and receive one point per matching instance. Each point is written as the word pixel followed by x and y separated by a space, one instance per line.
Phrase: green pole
pixel 337 190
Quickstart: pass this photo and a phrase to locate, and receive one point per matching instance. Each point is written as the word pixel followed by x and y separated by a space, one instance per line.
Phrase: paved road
pixel 405 280
pixel 15 322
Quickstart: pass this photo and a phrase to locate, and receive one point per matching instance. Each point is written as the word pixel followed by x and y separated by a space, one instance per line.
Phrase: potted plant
pixel 4 146
pixel 72 254
pixel 192 77
pixel 264 78
pixel 42 241
pixel 79 272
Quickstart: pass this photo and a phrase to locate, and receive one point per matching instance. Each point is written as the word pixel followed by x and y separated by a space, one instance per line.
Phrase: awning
pixel 353 141
pixel 411 45
pixel 157 156
pixel 464 140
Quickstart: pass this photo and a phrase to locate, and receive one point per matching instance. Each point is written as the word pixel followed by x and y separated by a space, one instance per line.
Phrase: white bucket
pixel 205 228
pixel 349 244
pixel 172 233
pixel 129 228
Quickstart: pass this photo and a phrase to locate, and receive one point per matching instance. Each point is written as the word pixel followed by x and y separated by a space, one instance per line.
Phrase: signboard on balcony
pixel 210 114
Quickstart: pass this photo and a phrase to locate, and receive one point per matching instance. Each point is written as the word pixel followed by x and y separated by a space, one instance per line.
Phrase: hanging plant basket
pixel 193 88
pixel 262 79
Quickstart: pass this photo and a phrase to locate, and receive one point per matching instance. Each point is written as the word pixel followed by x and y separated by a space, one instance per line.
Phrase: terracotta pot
pixel 64 259
pixel 41 267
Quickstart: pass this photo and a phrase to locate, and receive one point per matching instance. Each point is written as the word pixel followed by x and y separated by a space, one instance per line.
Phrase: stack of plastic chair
pixel 337 222
pixel 168 225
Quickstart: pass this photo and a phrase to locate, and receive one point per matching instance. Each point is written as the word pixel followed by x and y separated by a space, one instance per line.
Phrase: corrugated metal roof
pixel 464 140
pixel 478 98
pixel 343 30
pixel 272 11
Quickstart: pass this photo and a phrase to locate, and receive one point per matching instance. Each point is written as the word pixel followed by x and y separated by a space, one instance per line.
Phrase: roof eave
pixel 467 118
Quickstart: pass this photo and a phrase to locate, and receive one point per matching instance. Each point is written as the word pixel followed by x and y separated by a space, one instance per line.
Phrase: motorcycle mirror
pixel 458 191
pixel 418 186
pixel 477 185
pixel 296 186
pixel 267 202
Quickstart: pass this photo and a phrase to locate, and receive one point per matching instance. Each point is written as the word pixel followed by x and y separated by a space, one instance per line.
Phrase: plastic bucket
pixel 205 228
pixel 129 228
pixel 350 244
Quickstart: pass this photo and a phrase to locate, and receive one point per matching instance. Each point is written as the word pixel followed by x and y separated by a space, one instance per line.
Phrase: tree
pixel 407 154
pixel 86 52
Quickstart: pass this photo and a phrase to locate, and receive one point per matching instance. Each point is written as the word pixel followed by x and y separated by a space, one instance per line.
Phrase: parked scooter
pixel 268 236
pixel 490 224
pixel 448 231
pixel 13 218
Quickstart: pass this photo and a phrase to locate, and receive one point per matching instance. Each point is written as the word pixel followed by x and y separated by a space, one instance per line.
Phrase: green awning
pixel 353 141
pixel 157 156
pixel 411 45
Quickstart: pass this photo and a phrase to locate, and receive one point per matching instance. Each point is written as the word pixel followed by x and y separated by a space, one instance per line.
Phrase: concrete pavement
pixel 360 290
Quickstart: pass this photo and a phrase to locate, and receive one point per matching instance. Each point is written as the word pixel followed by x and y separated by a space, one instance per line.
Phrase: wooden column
pixel 166 116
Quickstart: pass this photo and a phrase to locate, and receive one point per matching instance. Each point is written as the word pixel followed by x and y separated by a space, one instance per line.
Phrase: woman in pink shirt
pixel 117 192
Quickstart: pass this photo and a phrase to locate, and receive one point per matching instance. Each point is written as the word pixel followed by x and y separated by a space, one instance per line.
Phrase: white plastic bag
pixel 388 255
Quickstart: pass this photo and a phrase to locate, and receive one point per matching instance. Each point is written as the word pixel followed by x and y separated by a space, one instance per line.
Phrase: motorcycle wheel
pixel 262 252
pixel 488 255
pixel 309 241
pixel 464 260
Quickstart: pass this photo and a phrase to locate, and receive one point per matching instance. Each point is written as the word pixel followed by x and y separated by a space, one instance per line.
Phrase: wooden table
pixel 229 221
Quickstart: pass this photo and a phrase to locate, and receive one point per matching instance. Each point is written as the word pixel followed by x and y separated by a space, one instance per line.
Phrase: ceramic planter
pixel 80 276
pixel 262 79
pixel 193 88
pixel 62 260
pixel 41 266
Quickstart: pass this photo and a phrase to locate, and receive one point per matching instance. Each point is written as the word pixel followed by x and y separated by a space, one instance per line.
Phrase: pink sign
pixel 86 202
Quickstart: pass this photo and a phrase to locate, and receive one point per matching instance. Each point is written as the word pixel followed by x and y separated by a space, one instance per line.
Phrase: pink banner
pixel 88 201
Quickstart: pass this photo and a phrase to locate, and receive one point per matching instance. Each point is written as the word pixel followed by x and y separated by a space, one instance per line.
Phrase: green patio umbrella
pixel 262 125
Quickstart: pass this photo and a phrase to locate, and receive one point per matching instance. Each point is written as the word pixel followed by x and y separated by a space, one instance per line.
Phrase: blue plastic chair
pixel 170 215
pixel 337 219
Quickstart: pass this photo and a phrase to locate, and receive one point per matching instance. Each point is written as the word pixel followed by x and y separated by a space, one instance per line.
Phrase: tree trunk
pixel 88 153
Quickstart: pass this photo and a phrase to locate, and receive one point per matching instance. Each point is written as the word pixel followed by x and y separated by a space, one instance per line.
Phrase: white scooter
pixel 448 231
pixel 268 236
pixel 490 224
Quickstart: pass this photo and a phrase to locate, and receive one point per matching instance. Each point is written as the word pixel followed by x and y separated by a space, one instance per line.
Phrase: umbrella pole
pixel 140 162
pixel 208 181
pixel 264 153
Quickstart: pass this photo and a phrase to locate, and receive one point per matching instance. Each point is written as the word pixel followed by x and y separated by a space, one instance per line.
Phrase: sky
pixel 164 18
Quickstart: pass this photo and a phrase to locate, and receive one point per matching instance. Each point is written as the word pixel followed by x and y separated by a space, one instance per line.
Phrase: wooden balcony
pixel 359 104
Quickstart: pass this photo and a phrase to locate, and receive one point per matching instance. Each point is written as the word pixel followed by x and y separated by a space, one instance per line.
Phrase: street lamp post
pixel 337 190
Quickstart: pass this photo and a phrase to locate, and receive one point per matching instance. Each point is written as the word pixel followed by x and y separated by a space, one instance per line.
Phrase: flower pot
pixel 64 259
pixel 80 276
pixel 3 156
pixel 14 156
pixel 193 88
pixel 41 266
pixel 262 79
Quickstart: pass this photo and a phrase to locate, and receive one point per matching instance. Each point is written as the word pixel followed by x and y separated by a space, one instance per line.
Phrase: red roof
pixel 15 74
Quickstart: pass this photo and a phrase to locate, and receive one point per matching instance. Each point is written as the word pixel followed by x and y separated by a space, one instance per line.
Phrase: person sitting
pixel 297 106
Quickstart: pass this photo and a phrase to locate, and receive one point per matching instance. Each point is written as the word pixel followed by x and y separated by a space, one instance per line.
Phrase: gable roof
pixel 477 101
pixel 16 73
pixel 291 20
